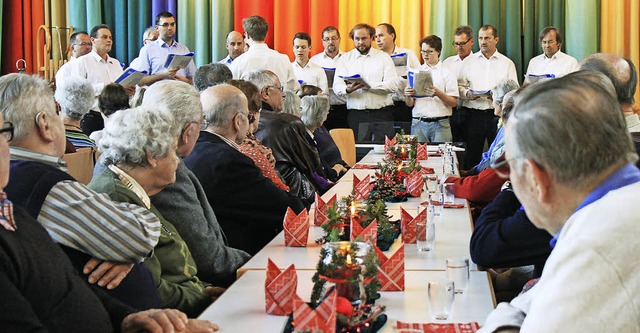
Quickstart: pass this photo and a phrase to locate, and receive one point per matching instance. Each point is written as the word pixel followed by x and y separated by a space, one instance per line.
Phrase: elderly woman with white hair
pixel 314 113
pixel 75 98
pixel 139 148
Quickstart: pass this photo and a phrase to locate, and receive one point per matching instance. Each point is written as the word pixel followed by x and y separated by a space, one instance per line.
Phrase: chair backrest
pixel 80 164
pixel 346 142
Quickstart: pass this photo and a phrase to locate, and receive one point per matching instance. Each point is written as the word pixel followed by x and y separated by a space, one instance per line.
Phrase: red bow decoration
pixel 323 318
pixel 408 225
pixel 362 188
pixel 391 270
pixel 421 152
pixel 296 228
pixel 415 183
pixel 280 288
pixel 368 234
pixel 320 214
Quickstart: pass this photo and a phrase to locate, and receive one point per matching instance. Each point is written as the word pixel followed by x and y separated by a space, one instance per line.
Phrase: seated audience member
pixel 584 196
pixel 75 97
pixel 42 291
pixel 431 112
pixel 112 98
pixel 291 103
pixel 139 148
pixel 184 202
pixel 261 155
pixel 249 207
pixel 62 205
pixel 297 162
pixel 210 75
pixel 314 112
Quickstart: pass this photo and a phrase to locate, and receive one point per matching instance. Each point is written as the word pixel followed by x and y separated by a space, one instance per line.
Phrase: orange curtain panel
pixel 21 19
pixel 246 8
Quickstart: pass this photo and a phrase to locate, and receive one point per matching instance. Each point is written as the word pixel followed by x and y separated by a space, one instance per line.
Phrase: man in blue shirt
pixel 569 157
pixel 153 56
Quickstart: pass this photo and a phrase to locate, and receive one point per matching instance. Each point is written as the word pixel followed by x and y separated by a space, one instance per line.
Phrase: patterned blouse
pixel 263 158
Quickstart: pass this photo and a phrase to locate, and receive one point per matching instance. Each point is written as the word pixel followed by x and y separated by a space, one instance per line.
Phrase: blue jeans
pixel 437 131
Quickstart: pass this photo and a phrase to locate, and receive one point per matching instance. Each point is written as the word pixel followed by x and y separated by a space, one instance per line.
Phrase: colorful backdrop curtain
pixel 588 25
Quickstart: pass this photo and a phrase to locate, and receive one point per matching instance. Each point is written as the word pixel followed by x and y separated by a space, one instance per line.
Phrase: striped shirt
pixel 78 139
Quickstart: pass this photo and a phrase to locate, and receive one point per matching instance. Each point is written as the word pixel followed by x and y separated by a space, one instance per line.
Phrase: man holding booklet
pixel 432 91
pixel 165 58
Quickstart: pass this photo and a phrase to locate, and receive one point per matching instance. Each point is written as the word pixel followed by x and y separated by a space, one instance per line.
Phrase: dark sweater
pixel 504 237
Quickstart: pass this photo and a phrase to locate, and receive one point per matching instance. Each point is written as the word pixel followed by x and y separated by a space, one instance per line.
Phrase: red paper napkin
pixel 368 234
pixel 391 270
pixel 453 205
pixel 323 318
pixel 421 152
pixel 415 183
pixel 296 228
pixel 320 214
pixel 434 153
pixel 442 328
pixel 408 225
pixel 362 188
pixel 279 289
pixel 365 166
pixel 427 171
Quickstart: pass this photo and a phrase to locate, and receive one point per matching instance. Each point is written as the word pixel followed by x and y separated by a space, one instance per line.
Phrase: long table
pixel 242 307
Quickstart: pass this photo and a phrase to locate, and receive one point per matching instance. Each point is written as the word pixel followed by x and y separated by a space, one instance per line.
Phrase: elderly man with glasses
pixel 80 45
pixel 552 62
pixel 154 55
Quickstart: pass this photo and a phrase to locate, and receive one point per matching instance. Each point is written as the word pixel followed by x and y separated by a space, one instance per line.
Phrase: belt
pixel 430 120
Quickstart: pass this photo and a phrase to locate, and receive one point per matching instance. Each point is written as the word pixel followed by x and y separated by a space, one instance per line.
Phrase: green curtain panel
pixel 221 23
pixel 583 27
pixel 202 28
pixel 446 15
pixel 84 14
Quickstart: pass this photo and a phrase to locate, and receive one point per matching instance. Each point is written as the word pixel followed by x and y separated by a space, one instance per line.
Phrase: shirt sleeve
pixel 339 87
pixel 481 188
pixel 390 80
pixel 82 219
pixel 143 63
pixel 322 81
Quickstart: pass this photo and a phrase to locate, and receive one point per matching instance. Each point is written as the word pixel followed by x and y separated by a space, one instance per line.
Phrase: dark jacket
pixel 249 207
pixel 504 237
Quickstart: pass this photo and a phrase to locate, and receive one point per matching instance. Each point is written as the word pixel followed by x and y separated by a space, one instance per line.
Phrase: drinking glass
pixel 440 295
pixel 458 272
pixel 437 200
pixel 432 183
pixel 449 197
pixel 425 235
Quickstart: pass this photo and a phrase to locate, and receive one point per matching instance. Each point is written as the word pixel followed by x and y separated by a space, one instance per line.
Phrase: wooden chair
pixel 80 164
pixel 346 143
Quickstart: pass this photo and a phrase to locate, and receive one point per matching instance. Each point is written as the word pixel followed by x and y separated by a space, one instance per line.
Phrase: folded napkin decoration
pixel 362 188
pixel 421 152
pixel 442 328
pixel 323 318
pixel 415 183
pixel 320 213
pixel 296 228
pixel 391 270
pixel 280 288
pixel 365 166
pixel 368 234
pixel 453 205
pixel 408 225
pixel 427 171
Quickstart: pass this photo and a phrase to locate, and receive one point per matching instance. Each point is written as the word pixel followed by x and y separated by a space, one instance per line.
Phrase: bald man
pixel 235 45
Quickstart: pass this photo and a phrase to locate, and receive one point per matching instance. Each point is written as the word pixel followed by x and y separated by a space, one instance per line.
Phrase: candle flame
pixel 353 208
pixel 348 259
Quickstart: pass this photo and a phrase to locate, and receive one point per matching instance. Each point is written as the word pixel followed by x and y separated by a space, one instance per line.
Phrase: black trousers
pixel 337 117
pixel 458 121
pixel 481 125
pixel 371 125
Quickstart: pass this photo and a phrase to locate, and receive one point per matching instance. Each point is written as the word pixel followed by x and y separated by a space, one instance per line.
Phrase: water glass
pixel 432 183
pixel 458 272
pixel 440 295
pixel 449 197
pixel 425 235
pixel 437 199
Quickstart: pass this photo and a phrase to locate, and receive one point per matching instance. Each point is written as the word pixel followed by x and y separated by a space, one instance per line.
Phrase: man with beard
pixel 368 97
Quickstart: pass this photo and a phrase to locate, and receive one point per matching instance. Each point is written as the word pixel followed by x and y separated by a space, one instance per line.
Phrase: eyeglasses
pixel 83 44
pixel 428 51
pixel 167 24
pixel 501 166
pixel 331 39
pixel 281 88
pixel 460 43
pixel 7 131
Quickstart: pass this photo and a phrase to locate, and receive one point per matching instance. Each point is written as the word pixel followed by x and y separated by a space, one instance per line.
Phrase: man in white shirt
pixel 403 59
pixel 368 99
pixel 260 56
pixel 80 45
pixel 463 42
pixel 307 72
pixel 481 72
pixel 154 55
pixel 100 69
pixel 585 196
pixel 552 62
pixel 235 45
pixel 328 60
pixel 150 35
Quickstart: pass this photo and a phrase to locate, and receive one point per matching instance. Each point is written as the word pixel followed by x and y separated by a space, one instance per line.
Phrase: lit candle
pixel 353 208
pixel 348 259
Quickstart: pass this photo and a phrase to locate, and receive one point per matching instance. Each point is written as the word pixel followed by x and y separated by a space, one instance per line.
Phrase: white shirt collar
pixel 229 142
